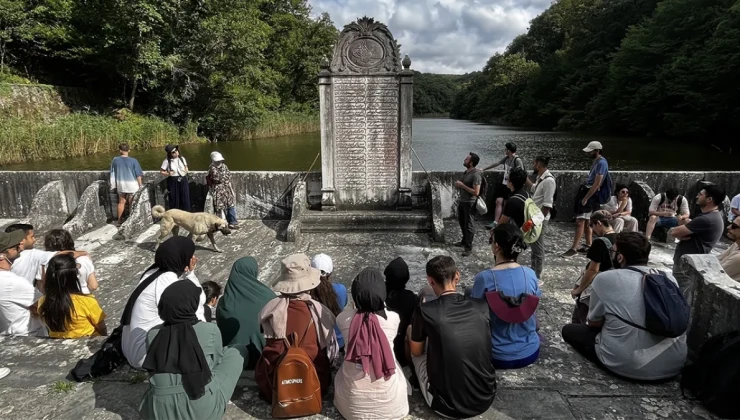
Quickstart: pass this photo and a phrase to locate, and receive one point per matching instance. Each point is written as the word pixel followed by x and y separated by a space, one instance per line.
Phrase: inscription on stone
pixel 366 125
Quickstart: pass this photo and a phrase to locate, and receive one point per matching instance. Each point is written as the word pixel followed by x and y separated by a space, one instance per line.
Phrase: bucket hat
pixel 297 275
pixel 217 157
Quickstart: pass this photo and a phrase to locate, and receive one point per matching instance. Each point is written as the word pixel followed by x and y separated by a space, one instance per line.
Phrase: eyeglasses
pixel 734 226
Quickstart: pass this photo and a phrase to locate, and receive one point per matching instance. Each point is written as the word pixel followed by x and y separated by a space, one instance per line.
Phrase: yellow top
pixel 86 314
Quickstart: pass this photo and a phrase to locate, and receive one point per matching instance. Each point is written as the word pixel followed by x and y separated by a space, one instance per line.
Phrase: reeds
pixel 285 123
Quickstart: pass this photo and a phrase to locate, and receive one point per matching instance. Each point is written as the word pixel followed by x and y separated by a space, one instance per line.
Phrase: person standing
pixel 125 179
pixel 469 188
pixel 543 192
pixel 502 193
pixel 620 207
pixel 18 298
pixel 219 181
pixel 587 199
pixel 700 235
pixel 175 168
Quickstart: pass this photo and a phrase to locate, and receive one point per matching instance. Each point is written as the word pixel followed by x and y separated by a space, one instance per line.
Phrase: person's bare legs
pixel 499 209
pixel 589 233
pixel 121 206
pixel 580 227
pixel 651 226
pixel 406 346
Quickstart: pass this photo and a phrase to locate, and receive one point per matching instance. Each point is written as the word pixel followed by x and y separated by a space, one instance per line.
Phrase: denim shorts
pixel 669 222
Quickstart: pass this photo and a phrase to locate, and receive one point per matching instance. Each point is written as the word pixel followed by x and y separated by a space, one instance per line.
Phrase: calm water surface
pixel 441 144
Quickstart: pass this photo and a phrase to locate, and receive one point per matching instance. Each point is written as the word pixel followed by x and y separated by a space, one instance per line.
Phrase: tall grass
pixel 24 140
pixel 285 123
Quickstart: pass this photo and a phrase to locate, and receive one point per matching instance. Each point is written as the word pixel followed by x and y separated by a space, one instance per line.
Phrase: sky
pixel 442 36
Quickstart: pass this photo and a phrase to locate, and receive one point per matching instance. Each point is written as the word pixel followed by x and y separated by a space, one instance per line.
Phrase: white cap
pixel 216 157
pixel 594 145
pixel 323 262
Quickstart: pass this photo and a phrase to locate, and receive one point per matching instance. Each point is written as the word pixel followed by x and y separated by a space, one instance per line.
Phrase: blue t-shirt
pixel 123 173
pixel 600 167
pixel 510 341
pixel 341 292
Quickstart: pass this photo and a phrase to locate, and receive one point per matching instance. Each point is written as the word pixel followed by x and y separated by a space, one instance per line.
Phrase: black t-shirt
pixel 462 379
pixel 403 302
pixel 706 230
pixel 599 252
pixel 514 208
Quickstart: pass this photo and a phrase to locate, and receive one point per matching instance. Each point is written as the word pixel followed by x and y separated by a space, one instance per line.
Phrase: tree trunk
pixel 133 95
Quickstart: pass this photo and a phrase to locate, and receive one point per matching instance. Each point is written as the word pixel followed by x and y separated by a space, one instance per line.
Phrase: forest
pixel 639 67
pixel 224 66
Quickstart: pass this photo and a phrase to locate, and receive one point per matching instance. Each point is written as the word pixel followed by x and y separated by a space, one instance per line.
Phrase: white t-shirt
pixel 624 349
pixel 734 204
pixel 16 296
pixel 86 268
pixel 145 315
pixel 177 165
pixel 28 264
pixel 612 205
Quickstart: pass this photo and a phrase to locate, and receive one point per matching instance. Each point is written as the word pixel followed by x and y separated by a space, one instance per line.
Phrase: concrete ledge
pixel 438 224
pixel 140 216
pixel 93 209
pixel 299 204
pixel 49 208
pixel 715 304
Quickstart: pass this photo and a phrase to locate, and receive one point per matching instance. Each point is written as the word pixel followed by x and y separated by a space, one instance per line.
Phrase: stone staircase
pixel 366 221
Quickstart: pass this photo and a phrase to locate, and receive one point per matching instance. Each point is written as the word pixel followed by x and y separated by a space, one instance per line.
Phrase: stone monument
pixel 366 111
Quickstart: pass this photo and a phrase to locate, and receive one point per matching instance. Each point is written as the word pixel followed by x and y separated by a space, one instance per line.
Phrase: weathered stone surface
pixel 561 385
pixel 716 299
pixel 93 209
pixel 641 195
pixel 299 205
pixel 49 208
pixel 438 224
pixel 140 217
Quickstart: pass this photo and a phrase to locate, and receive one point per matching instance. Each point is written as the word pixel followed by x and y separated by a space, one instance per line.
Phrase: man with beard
pixel 616 297
pixel 587 199
pixel 18 298
pixel 469 190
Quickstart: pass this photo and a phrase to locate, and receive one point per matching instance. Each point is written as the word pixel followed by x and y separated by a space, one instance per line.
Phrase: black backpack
pixel 678 201
pixel 714 378
pixel 666 310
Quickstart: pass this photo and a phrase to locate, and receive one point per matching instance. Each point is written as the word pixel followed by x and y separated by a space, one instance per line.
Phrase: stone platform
pixel 561 385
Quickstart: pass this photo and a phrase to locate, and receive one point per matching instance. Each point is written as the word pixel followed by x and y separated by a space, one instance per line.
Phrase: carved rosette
pixel 366 47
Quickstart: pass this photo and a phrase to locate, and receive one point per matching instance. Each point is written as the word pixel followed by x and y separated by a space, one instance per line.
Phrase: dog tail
pixel 157 211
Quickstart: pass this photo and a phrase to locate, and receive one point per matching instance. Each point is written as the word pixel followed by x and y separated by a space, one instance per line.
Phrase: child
pixel 212 291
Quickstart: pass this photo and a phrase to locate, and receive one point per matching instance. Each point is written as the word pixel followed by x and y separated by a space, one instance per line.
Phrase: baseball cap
pixel 323 262
pixel 594 145
pixel 9 240
pixel 216 157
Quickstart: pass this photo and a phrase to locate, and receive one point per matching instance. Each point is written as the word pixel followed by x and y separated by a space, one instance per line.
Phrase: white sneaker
pixel 4 372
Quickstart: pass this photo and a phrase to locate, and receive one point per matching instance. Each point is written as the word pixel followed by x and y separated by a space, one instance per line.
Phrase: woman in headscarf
pixel 292 312
pixel 239 307
pixel 174 260
pixel 401 301
pixel 194 376
pixel 370 384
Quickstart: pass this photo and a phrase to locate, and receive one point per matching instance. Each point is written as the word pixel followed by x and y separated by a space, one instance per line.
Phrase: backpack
pixel 678 201
pixel 533 219
pixel 666 310
pixel 480 201
pixel 296 390
pixel 604 194
pixel 714 378
pixel 553 210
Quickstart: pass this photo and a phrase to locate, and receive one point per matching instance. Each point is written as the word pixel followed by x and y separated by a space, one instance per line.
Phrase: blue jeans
pixel 516 364
pixel 231 215
pixel 669 222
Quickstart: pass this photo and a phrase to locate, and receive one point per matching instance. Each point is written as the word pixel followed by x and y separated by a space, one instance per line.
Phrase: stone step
pixel 366 220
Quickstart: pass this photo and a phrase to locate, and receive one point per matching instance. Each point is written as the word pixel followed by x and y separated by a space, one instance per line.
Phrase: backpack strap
pixel 305 333
pixel 126 317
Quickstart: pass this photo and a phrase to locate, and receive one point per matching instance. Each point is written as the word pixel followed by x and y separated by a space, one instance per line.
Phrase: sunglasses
pixel 734 226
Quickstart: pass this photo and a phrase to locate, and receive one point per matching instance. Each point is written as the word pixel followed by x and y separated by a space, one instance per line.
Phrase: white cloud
pixel 442 36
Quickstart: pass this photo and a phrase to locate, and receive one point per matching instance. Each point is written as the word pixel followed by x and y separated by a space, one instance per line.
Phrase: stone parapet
pixel 93 210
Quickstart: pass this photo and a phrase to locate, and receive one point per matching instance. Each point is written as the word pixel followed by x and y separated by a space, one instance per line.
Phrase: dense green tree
pixel 434 93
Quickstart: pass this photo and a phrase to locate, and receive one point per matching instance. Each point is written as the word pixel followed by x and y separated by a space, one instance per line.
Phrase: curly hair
pixel 325 294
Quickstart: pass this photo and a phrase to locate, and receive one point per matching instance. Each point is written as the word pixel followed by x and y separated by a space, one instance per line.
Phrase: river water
pixel 441 145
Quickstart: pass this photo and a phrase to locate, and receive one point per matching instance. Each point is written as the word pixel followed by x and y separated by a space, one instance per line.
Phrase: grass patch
pixel 62 387
pixel 276 124
pixel 138 377
pixel 25 140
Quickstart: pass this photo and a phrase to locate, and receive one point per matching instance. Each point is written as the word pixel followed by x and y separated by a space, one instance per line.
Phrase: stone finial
pixel 325 63
pixel 406 62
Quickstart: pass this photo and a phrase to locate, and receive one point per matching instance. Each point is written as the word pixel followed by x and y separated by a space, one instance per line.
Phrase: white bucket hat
pixel 297 275
pixel 216 157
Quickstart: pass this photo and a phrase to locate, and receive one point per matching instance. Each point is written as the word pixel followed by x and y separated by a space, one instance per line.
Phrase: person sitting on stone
pixel 293 312
pixel 219 182
pixel 213 292
pixel 61 240
pixel 450 346
pixel 620 207
pixel 514 344
pixel 370 384
pixel 193 375
pixel 401 301
pixel 330 294
pixel 668 209
pixel 174 260
pixel 31 261
pixel 599 260
pixel 617 295
pixel 730 258
pixel 66 311
pixel 18 298
pixel 237 314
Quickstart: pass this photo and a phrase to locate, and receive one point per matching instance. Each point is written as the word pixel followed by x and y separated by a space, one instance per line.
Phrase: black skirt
pixel 178 192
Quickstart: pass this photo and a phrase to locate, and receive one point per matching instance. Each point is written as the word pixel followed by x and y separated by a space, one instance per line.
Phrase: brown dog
pixel 197 224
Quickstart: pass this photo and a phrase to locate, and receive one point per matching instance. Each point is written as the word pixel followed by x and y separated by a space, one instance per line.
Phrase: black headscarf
pixel 396 274
pixel 176 349
pixel 173 255
pixel 368 292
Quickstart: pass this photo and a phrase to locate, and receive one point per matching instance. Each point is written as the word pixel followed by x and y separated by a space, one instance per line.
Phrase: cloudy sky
pixel 442 36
